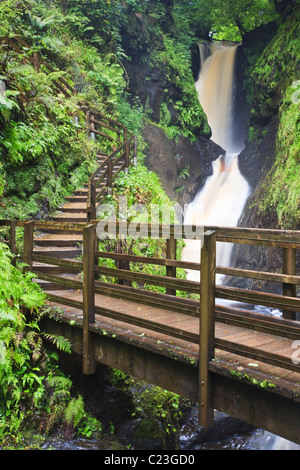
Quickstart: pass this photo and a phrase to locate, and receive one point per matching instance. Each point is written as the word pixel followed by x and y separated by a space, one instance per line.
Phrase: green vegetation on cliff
pixel 275 91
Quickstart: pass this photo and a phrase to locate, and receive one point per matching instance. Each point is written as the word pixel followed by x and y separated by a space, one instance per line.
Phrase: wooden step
pixel 64 242
pixel 60 252
pixel 80 192
pixel 48 269
pixel 73 210
pixel 70 218
pixel 74 198
pixel 50 286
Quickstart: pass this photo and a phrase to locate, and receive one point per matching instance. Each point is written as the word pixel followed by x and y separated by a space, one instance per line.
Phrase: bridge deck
pixel 281 381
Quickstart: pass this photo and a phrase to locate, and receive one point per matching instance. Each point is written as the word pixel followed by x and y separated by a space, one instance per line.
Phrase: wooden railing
pixel 19 45
pixel 101 182
pixel 123 142
pixel 206 309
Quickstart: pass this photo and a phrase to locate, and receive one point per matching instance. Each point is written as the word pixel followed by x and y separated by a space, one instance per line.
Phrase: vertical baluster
pixel 12 238
pixel 207 328
pixel 289 267
pixel 171 254
pixel 88 298
pixel 28 243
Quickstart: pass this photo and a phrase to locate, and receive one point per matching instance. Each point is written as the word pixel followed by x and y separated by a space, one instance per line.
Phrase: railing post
pixel 289 267
pixel 127 156
pixel 171 254
pixel 110 175
pixel 88 298
pixel 28 243
pixel 93 200
pixel 12 237
pixel 207 328
pixel 135 151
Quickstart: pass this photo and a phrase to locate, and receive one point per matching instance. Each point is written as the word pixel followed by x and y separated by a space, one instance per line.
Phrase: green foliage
pixel 275 74
pixel 162 405
pixel 74 412
pixel 224 20
pixel 30 381
pixel 176 58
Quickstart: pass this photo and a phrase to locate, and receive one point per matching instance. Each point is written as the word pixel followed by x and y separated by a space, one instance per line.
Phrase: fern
pixel 74 412
pixel 61 343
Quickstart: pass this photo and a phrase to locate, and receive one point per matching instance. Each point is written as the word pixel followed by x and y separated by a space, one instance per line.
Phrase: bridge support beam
pixel 264 409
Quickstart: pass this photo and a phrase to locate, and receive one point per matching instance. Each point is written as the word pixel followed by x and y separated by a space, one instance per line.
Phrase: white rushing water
pixel 223 197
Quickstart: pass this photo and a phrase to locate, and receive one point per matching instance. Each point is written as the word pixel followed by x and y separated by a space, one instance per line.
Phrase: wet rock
pixel 182 165
pixel 143 434
pixel 193 436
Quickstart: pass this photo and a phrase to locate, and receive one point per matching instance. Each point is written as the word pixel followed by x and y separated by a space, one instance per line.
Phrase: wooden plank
pixel 149 260
pixel 256 354
pixel 75 265
pixel 103 135
pixel 109 173
pixel 258 322
pixel 289 267
pixel 259 298
pixel 230 234
pixel 12 236
pixel 28 242
pixel 65 301
pixel 176 304
pixel 148 324
pixel 64 281
pixel 258 242
pixel 171 254
pixel 264 276
pixel 102 124
pixel 207 328
pixel 61 226
pixel 179 284
pixel 88 298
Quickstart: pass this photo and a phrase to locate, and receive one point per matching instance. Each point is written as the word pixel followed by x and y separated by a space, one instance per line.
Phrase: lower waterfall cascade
pixel 223 197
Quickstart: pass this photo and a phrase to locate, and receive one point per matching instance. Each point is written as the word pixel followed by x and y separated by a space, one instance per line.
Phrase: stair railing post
pixel 171 254
pixel 88 298
pixel 110 175
pixel 135 145
pixel 127 149
pixel 93 199
pixel 28 243
pixel 289 267
pixel 12 238
pixel 207 328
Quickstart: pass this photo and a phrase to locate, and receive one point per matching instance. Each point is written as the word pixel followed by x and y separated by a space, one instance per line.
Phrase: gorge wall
pixel 267 70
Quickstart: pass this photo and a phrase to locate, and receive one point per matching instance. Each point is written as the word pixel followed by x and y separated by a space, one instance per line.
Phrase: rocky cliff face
pixel 183 165
pixel 268 161
pixel 270 60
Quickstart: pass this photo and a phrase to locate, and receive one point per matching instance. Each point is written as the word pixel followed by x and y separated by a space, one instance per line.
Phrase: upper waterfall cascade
pixel 223 197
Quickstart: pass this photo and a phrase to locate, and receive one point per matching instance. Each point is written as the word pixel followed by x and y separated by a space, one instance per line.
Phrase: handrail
pixel 113 126
pixel 108 165
pixel 36 60
pixel 241 316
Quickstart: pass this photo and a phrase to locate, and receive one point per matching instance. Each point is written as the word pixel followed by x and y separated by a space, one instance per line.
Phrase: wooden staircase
pixel 52 242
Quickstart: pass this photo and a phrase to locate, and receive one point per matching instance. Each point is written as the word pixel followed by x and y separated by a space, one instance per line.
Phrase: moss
pixel 274 89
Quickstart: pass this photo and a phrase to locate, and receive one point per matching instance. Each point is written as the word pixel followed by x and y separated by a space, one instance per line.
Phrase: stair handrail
pixel 114 126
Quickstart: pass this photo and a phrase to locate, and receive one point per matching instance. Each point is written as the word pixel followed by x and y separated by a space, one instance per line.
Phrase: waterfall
pixel 223 197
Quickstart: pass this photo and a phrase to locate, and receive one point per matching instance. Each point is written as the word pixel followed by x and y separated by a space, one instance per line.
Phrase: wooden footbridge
pixel 201 340
pixel 225 356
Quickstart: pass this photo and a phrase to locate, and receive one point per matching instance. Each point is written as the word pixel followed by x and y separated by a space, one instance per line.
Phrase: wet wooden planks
pixel 123 313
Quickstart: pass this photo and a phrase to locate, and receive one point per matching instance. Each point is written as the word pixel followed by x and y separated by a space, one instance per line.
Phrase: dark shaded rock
pixel 182 165
pixel 258 155
pixel 193 435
